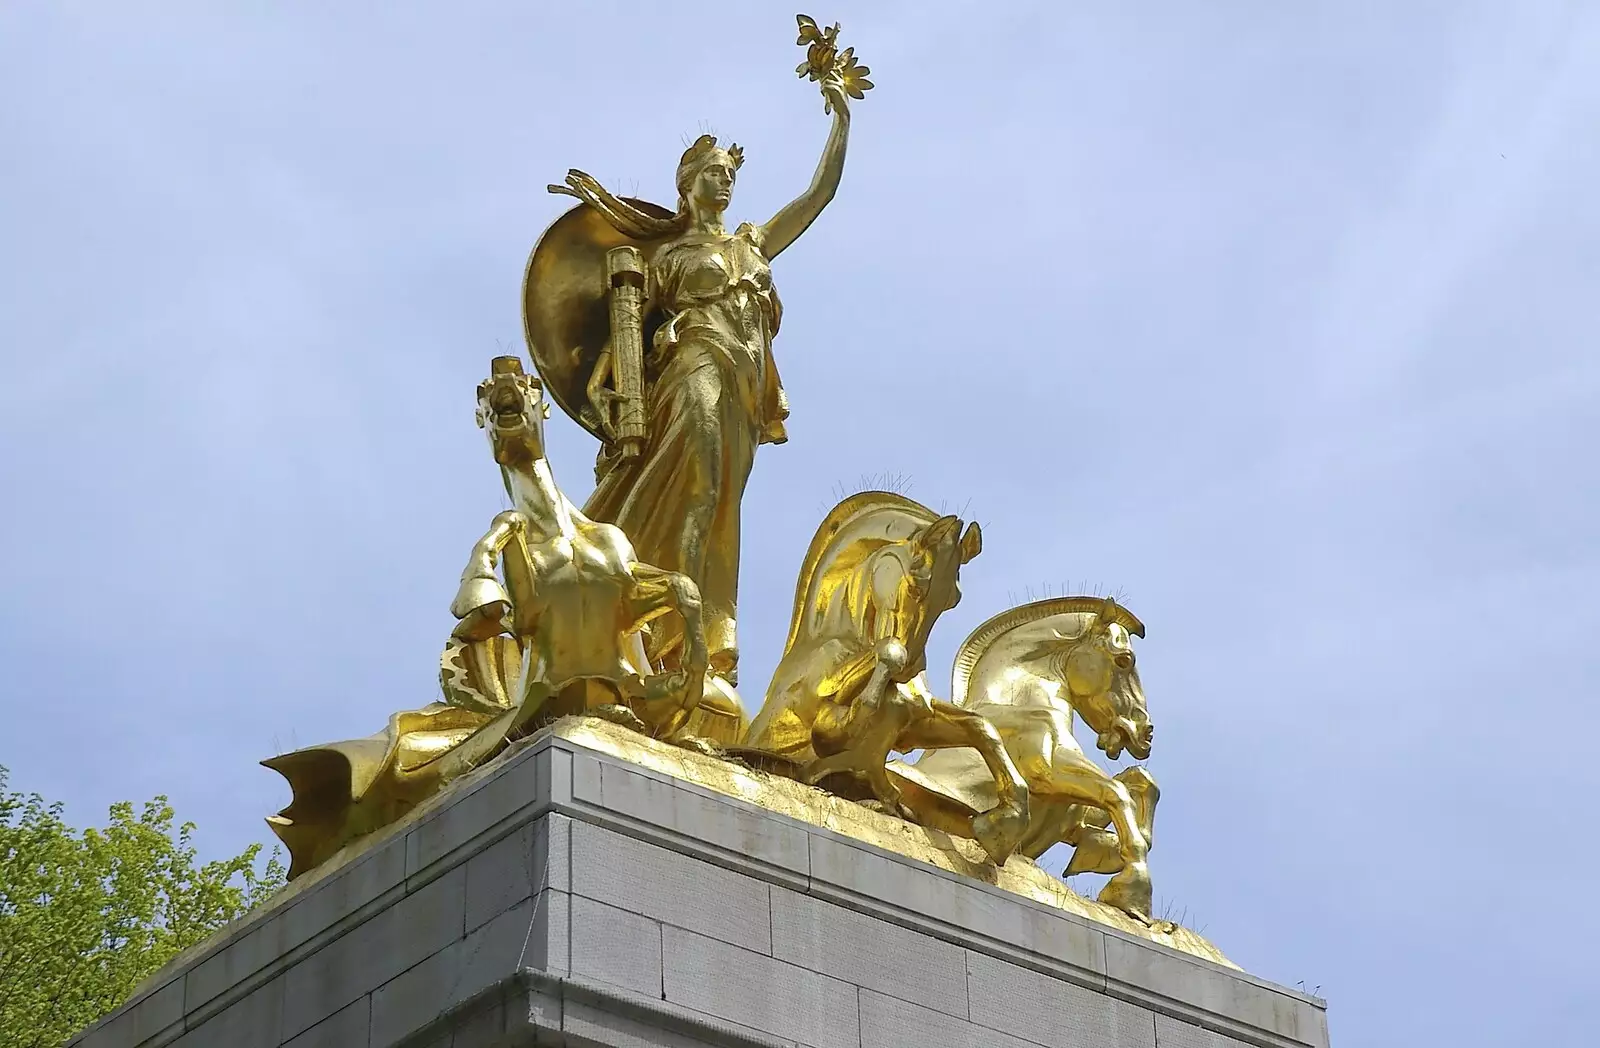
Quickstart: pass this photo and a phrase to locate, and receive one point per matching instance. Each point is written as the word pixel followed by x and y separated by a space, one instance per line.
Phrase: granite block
pixel 596 1014
pixel 754 990
pixel 416 997
pixel 435 1039
pixel 669 887
pixel 349 1027
pixel 1148 973
pixel 450 976
pixel 738 829
pixel 233 964
pixel 552 851
pixel 616 946
pixel 157 1013
pixel 596 1026
pixel 254 1021
pixel 862 877
pixel 1049 1011
pixel 361 888
pixel 472 816
pixel 374 952
pixel 550 945
pixel 888 1022
pixel 501 876
pixel 586 778
pixel 553 764
pixel 364 885
pixel 868 952
pixel 536 1004
pixel 481 1026
pixel 1172 1033
pixel 502 947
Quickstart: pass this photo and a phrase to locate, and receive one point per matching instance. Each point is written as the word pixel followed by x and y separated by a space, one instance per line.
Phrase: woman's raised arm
pixel 796 217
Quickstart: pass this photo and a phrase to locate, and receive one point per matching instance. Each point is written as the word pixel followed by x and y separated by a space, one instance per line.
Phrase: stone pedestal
pixel 589 890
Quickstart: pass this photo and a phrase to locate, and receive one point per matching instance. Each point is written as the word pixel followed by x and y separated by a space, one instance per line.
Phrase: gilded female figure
pixel 711 390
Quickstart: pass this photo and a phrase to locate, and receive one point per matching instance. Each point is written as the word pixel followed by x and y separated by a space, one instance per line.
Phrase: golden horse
pixel 550 612
pixel 561 634
pixel 1028 671
pixel 850 688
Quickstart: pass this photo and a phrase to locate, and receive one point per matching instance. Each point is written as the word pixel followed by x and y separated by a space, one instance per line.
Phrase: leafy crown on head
pixel 702 149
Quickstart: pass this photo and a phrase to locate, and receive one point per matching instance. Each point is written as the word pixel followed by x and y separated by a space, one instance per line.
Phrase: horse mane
pixel 812 567
pixel 981 639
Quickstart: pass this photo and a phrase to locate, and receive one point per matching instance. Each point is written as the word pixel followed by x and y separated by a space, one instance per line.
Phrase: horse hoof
pixel 622 716
pixel 696 744
pixel 1130 892
pixel 725 664
pixel 999 830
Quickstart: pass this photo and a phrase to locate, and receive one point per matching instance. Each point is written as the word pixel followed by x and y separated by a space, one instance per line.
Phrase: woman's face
pixel 713 186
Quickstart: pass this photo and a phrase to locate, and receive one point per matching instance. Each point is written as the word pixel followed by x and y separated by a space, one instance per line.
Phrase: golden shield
pixel 565 312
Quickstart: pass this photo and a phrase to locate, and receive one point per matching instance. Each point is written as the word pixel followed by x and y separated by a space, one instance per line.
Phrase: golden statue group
pixel 654 329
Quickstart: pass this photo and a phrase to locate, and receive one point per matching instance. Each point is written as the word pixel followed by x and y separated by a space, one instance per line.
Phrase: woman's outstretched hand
pixel 835 95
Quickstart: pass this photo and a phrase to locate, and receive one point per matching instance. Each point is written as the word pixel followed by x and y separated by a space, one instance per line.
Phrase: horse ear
pixel 971 542
pixel 477 414
pixel 1107 615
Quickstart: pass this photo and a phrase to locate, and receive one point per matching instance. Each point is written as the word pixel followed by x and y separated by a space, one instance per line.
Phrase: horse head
pixel 1076 651
pixel 511 410
pixel 879 566
pixel 937 552
pixel 1096 664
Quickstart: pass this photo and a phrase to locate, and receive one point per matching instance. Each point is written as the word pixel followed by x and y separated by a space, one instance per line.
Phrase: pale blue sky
pixel 1278 319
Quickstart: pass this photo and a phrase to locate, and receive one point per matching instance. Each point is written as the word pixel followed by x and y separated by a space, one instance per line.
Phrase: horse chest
pixel 575 564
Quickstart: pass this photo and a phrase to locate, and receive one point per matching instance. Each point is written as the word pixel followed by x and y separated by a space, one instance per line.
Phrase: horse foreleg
pixel 1145 795
pixel 856 730
pixel 473 669
pixel 1074 776
pixel 481 601
pixel 655 592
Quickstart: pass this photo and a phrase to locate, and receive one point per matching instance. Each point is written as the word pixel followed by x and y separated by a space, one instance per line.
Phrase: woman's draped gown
pixel 713 396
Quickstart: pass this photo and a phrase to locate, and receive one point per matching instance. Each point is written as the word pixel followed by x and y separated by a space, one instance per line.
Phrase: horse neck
pixel 847 605
pixel 865 602
pixel 1008 676
pixel 1018 684
pixel 534 494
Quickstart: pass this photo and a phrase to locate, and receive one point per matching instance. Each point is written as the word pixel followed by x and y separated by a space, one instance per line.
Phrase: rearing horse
pixel 549 612
pixel 559 633
pixel 850 687
pixel 1028 671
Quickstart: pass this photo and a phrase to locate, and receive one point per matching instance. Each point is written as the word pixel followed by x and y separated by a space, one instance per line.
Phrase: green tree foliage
pixel 85 917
